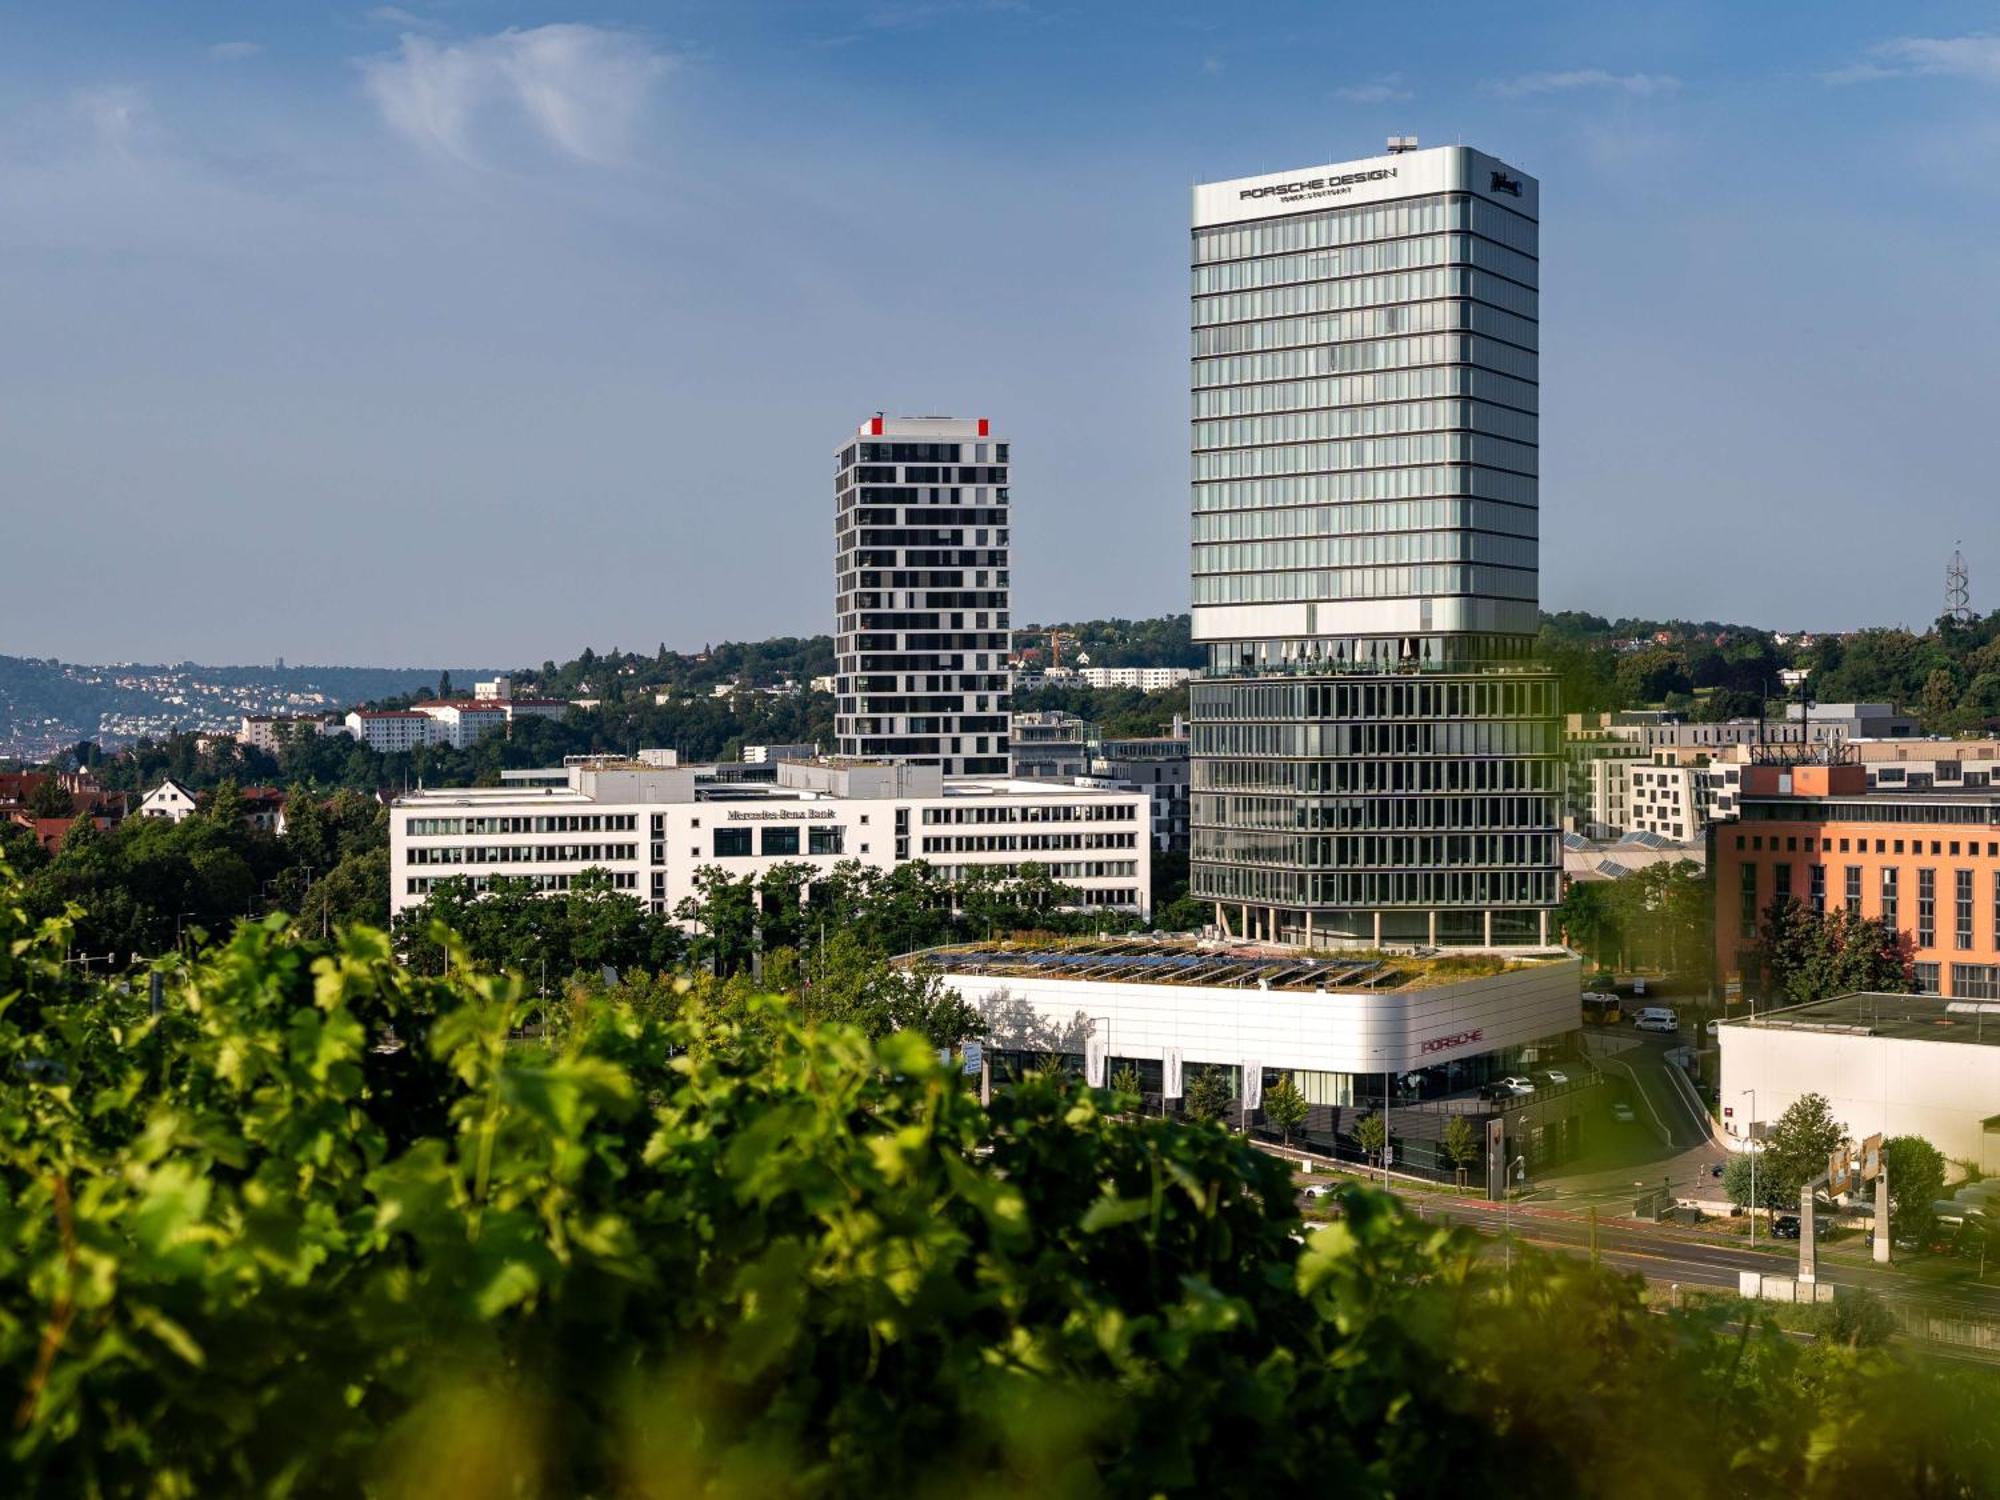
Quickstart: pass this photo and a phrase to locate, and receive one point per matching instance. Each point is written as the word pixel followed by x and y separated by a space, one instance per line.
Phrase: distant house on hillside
pixel 169 800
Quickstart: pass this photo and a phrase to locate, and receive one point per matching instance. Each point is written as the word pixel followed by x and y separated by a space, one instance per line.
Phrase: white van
pixel 1657 1018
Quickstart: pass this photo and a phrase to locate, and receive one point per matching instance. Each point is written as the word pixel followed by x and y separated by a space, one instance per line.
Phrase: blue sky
pixel 488 331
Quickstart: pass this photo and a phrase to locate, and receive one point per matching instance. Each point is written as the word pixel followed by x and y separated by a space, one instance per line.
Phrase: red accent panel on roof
pixel 874 426
pixel 982 427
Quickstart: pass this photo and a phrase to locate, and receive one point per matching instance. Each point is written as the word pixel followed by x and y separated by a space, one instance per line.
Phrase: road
pixel 1665 1256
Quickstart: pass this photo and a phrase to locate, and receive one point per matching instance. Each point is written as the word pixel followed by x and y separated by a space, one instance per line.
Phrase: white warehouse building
pixel 652 828
pixel 1918 1065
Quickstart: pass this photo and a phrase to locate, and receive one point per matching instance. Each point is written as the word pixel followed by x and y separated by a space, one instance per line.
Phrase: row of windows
pixel 1373 777
pixel 1489 697
pixel 1366 518
pixel 1241 401
pixel 1431 580
pixel 538 823
pixel 1367 453
pixel 1208 346
pixel 1476 737
pixel 517 854
pixel 1365 484
pixel 1454 851
pixel 1365 355
pixel 1381 221
pixel 1355 551
pixel 1274 886
pixel 1372 814
pixel 782 841
pixel 423 885
pixel 1793 844
pixel 1873 810
pixel 1067 812
pixel 1888 901
pixel 1312 297
pixel 1323 655
pixel 1011 843
pixel 1061 869
pixel 1383 420
pixel 1365 260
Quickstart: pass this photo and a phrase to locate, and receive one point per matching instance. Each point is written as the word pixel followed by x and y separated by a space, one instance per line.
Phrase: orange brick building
pixel 1927 862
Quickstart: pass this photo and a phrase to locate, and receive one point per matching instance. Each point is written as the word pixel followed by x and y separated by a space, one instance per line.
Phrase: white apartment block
pixel 458 722
pixel 1670 800
pixel 921 590
pixel 389 730
pixel 1146 679
pixel 653 828
pixel 269 732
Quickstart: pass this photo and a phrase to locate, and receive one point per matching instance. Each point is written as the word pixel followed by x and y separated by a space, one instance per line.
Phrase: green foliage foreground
pixel 332 1226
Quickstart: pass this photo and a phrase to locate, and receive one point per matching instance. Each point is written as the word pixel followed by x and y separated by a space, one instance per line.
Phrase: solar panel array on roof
pixel 1645 838
pixel 1150 963
pixel 1577 841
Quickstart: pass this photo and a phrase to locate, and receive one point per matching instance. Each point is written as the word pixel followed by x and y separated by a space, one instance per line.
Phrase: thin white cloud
pixel 395 15
pixel 581 89
pixel 1976 56
pixel 234 51
pixel 1383 90
pixel 115 115
pixel 1639 85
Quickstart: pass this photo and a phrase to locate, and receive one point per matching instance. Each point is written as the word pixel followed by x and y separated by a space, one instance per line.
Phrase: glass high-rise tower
pixel 1377 759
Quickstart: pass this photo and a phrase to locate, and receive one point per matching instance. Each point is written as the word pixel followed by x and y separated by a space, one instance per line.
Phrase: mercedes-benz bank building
pixel 1376 756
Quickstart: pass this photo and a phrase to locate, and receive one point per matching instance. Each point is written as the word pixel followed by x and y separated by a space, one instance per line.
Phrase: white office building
pixel 652 828
pixel 921 594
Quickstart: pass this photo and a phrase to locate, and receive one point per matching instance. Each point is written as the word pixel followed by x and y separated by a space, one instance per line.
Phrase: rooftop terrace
pixel 1189 963
pixel 1923 1018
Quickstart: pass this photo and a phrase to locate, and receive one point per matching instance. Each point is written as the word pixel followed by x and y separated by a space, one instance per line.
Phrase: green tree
pixel 1125 1082
pixel 1460 1144
pixel 1209 1094
pixel 1797 1147
pixel 1916 1182
pixel 333 1226
pixel 48 799
pixel 1371 1134
pixel 1285 1107
pixel 1806 955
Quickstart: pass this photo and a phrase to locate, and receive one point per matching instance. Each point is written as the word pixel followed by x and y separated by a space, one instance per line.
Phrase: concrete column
pixel 1309 927
pixel 1487 919
pixel 1544 939
pixel 1431 928
pixel 1882 1217
pixel 1378 929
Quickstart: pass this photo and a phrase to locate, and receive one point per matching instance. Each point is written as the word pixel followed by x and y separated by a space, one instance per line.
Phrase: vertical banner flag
pixel 1253 1085
pixel 1093 1063
pixel 1171 1074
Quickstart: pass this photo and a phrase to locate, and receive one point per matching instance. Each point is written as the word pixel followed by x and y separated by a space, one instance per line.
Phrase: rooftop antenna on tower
pixel 1957 597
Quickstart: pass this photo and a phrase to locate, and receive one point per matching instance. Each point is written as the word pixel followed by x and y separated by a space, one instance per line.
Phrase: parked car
pixel 1554 1077
pixel 1317 1189
pixel 1622 1113
pixel 1658 1018
pixel 1785 1227
pixel 1516 1084
pixel 1713 1028
pixel 1493 1093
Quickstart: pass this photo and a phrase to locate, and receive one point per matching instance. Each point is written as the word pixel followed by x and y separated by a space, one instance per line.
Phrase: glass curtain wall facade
pixel 921 594
pixel 1376 757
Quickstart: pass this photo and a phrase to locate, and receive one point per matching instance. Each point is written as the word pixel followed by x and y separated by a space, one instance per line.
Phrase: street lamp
pixel 1751 1147
pixel 1515 1169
